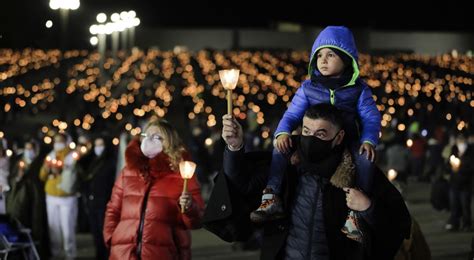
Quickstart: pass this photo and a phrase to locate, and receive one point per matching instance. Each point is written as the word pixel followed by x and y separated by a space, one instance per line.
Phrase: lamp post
pixel 64 6
pixel 229 79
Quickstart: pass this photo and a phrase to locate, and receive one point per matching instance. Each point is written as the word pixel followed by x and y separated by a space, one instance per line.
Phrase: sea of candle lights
pixel 140 84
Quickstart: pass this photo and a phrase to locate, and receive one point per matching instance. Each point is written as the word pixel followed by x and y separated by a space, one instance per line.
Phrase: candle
pixel 392 174
pixel 75 156
pixel 21 164
pixel 229 79
pixel 455 163
pixel 186 168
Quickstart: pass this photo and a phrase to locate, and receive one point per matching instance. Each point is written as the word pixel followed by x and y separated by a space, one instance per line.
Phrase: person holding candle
pixel 143 219
pixel 316 198
pixel 461 165
pixel 4 170
pixel 61 205
pixel 334 79
pixel 26 201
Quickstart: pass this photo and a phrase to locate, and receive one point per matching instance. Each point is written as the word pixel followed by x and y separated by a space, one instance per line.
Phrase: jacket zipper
pixel 332 96
pixel 311 224
pixel 142 223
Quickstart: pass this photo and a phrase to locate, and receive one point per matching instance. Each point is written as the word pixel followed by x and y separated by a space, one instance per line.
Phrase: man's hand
pixel 357 200
pixel 369 149
pixel 232 132
pixel 284 143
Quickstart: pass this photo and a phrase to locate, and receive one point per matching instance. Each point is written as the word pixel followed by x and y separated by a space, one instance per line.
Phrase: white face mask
pixel 151 147
pixel 29 155
pixel 462 147
pixel 59 146
pixel 98 150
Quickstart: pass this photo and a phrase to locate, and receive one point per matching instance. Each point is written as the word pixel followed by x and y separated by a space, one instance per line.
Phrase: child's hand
pixel 369 149
pixel 284 143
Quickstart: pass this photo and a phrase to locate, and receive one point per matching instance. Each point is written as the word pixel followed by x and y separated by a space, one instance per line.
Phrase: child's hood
pixel 341 38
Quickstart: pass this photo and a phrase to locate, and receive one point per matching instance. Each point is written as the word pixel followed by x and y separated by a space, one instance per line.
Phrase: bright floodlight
pixel 74 4
pixel 94 29
pixel 109 28
pixel 132 14
pixel 121 25
pixel 49 24
pixel 115 17
pixel 101 29
pixel 136 22
pixel 101 18
pixel 94 40
pixel 123 15
pixel 54 4
pixel 64 4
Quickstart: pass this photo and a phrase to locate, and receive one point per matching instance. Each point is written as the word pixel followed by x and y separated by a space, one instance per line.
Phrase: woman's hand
pixel 357 200
pixel 186 200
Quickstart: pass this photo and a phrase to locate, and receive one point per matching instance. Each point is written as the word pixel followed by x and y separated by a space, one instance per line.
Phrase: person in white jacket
pixel 4 170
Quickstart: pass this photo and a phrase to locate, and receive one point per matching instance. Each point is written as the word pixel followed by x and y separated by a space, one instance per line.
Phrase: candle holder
pixel 186 168
pixel 229 79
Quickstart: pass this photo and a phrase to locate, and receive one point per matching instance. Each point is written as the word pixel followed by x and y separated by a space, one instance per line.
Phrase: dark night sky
pixel 22 21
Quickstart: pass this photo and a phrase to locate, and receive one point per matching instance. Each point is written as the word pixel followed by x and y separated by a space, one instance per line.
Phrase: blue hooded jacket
pixel 354 99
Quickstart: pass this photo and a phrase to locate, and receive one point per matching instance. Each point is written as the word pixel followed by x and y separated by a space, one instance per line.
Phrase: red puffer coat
pixel 165 232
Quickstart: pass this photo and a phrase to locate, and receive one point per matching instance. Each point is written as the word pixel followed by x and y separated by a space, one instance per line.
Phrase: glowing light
pixel 392 174
pixel 94 40
pixel 49 24
pixel 101 18
pixel 47 140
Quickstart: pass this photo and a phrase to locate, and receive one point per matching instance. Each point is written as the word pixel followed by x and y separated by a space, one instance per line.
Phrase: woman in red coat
pixel 143 218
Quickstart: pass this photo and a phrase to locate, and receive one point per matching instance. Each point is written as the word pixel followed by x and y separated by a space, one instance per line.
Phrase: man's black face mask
pixel 314 149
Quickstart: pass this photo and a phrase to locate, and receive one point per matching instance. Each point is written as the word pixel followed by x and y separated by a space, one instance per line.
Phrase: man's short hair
pixel 327 112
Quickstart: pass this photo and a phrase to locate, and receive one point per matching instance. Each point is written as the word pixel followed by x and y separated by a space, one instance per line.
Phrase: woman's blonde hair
pixel 172 144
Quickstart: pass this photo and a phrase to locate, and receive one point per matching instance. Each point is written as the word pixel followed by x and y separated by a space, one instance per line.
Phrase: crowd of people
pixel 71 145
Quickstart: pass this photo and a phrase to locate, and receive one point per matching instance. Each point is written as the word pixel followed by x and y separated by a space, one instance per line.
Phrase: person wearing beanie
pixel 334 79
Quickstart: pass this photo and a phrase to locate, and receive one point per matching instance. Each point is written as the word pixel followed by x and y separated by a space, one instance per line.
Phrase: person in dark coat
pixel 26 199
pixel 307 233
pixel 98 177
pixel 460 193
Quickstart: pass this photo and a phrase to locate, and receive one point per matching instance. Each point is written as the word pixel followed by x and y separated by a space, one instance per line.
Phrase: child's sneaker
pixel 270 208
pixel 351 227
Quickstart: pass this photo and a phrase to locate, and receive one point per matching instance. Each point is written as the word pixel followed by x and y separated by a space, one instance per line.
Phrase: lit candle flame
pixel 187 169
pixel 392 174
pixel 455 162
pixel 229 78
